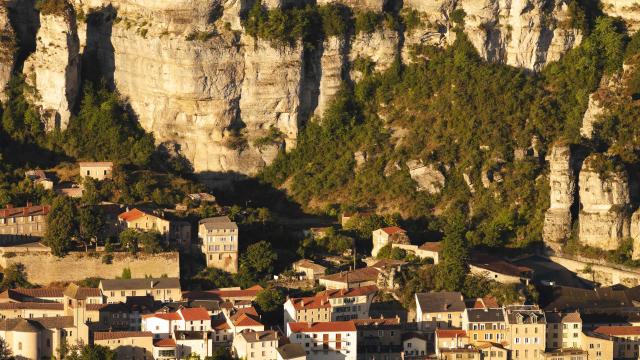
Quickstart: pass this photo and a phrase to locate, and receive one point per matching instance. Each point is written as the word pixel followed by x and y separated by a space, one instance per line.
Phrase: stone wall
pixel 605 275
pixel 44 268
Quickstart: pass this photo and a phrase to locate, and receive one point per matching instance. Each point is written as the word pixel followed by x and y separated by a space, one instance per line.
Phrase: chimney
pixel 9 206
pixel 152 284
pixel 29 203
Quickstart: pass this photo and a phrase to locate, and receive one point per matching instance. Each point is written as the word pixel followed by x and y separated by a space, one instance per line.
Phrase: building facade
pixel 219 239
pixel 161 289
pixel 23 224
pixel 325 340
pixel 96 170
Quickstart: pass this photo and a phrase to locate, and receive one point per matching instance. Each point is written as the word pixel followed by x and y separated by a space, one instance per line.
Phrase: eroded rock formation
pixel 53 70
pixel 628 10
pixel 557 219
pixel 7 48
pixel 604 200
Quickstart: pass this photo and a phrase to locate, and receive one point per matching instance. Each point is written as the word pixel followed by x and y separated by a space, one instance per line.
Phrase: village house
pixel 484 325
pixel 428 250
pixel 291 352
pixel 45 294
pixel 40 338
pixel 231 294
pixel 220 244
pixel 96 170
pixel 414 345
pixel 626 340
pixel 325 340
pixel 388 235
pixel 162 289
pixel 163 325
pixel 23 224
pixel 499 270
pixel 564 330
pixel 128 345
pixel 566 354
pixel 442 309
pixel 467 353
pixel 241 319
pixel 177 232
pixel 493 351
pixel 379 338
pixel 256 345
pixel 526 327
pixel 382 274
pixel 446 339
pixel 310 269
pixel 190 344
pixel 331 305
pixel 39 177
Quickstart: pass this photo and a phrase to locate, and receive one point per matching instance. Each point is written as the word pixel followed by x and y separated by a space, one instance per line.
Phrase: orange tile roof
pixel 194 314
pixel 131 215
pixel 220 325
pixel 95 307
pixel 618 330
pixel 450 333
pixel 331 326
pixel 108 335
pixel 246 320
pixel 164 316
pixel 431 246
pixel 32 305
pixel 164 343
pixel 393 230
pixel 30 210
pixel 321 299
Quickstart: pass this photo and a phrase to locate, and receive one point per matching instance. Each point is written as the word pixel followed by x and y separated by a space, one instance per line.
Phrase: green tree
pixel 453 267
pixel 129 240
pixel 5 351
pixel 15 276
pixel 389 252
pixel 270 299
pixel 259 258
pixel 91 224
pixel 150 241
pixel 91 352
pixel 214 278
pixel 126 273
pixel 61 225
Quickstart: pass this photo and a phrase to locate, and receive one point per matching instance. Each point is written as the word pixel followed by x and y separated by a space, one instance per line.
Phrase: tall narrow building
pixel 219 237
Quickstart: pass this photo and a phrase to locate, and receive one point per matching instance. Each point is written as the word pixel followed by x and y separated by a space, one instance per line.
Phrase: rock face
pixel 591 116
pixel 332 68
pixel 557 219
pixel 604 215
pixel 427 177
pixel 53 70
pixel 628 10
pixel 7 48
pixel 522 33
pixel 380 46
pixel 635 234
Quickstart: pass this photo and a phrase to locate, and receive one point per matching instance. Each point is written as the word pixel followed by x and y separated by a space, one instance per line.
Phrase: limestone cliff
pixel 557 219
pixel 53 70
pixel 381 47
pixel 604 199
pixel 7 48
pixel 332 68
pixel 628 10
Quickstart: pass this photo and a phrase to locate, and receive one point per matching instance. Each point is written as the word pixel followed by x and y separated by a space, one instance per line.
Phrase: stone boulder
pixel 427 177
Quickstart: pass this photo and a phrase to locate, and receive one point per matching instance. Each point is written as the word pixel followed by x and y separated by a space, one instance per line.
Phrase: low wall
pixel 44 268
pixel 604 274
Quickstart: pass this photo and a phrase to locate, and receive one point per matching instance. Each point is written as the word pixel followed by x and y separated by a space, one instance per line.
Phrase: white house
pixel 414 344
pixel 162 325
pixel 194 342
pixel 337 340
pixel 388 235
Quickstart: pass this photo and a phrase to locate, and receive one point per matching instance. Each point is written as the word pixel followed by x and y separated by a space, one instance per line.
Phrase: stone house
pixel 331 305
pixel 388 235
pixel 291 352
pixel 161 289
pixel 468 353
pixel 443 309
pixel 165 324
pixel 220 243
pixel 310 269
pixel 176 232
pixel 39 177
pixel 23 224
pixel 379 338
pixel 500 270
pixel 256 345
pixel 96 170
pixel 428 250
pixel 566 354
pixel 564 330
pixel 128 345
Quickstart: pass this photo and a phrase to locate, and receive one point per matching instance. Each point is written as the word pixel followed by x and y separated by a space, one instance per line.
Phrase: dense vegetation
pixel 467 117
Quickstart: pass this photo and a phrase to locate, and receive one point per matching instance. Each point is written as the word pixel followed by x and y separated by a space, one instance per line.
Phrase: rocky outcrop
pixel 522 33
pixel 628 10
pixel 7 49
pixel 380 47
pixel 53 70
pixel 332 68
pixel 557 219
pixel 591 116
pixel 635 234
pixel 427 177
pixel 372 5
pixel 604 199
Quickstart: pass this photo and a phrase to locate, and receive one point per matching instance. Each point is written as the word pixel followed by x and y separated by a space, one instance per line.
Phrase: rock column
pixel 557 219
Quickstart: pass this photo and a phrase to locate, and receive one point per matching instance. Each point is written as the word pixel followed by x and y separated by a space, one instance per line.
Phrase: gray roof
pixel 218 222
pixel 442 301
pixel 524 315
pixel 191 335
pixel 140 284
pixel 256 336
pixel 36 324
pixel 292 351
pixel 485 315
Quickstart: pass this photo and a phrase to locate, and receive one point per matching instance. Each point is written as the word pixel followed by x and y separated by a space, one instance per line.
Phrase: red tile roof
pixel 164 343
pixel 131 215
pixel 431 246
pixel 32 305
pixel 164 316
pixel 109 335
pixel 223 294
pixel 220 325
pixel 450 333
pixel 331 326
pixel 246 320
pixel 393 230
pixel 618 330
pixel 47 292
pixel 24 211
pixel 321 299
pixel 194 314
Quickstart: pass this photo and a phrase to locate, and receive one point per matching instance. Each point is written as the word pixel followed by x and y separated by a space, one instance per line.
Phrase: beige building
pixel 564 330
pixel 493 351
pixel 219 238
pixel 484 326
pixel 598 346
pixel 40 338
pixel 428 250
pixel 442 309
pixel 469 353
pixel 497 269
pixel 96 170
pixel 526 331
pixel 28 310
pixel 23 224
pixel 256 345
pixel 389 235
pixel 448 339
pixel 625 339
pixel 310 269
pixel 128 345
pixel 176 232
pixel 566 354
pixel 162 289
pixel 331 305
